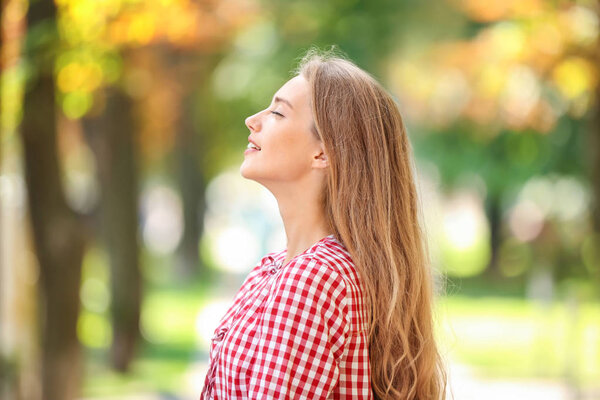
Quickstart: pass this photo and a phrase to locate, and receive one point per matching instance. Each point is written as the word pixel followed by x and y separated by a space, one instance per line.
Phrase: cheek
pixel 291 163
pixel 288 160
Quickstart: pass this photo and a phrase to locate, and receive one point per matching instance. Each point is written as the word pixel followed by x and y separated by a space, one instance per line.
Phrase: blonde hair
pixel 370 201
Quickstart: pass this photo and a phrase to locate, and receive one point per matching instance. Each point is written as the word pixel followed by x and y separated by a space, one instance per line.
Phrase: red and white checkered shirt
pixel 297 331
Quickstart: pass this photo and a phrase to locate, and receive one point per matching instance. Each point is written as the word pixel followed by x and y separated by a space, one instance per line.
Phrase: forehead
pixel 296 91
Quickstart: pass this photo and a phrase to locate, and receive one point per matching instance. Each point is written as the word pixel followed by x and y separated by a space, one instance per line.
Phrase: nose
pixel 252 122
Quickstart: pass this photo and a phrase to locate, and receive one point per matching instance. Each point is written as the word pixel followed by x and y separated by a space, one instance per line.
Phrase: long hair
pixel 370 201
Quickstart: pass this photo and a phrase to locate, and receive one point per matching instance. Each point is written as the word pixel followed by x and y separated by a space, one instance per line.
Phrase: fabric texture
pixel 294 331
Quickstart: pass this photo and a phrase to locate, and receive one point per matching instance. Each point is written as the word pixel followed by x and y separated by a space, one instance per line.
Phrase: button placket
pixel 217 339
pixel 269 269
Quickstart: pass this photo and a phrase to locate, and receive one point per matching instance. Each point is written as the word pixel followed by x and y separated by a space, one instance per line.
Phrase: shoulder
pixel 311 278
pixel 310 296
pixel 325 271
pixel 330 265
pixel 331 254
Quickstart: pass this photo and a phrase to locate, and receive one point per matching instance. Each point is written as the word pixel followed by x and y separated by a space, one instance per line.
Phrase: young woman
pixel 345 311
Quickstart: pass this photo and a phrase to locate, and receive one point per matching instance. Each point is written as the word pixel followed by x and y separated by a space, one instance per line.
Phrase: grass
pixel 517 338
pixel 500 337
pixel 168 347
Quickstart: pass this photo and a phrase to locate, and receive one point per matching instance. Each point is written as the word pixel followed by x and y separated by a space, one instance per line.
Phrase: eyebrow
pixel 278 99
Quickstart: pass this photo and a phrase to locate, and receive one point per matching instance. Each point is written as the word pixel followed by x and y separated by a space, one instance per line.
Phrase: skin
pixel 291 164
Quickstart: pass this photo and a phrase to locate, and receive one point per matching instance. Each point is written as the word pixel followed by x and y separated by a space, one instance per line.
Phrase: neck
pixel 304 222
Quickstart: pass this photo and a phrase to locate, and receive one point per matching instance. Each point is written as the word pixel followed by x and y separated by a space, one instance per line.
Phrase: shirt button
pixel 273 271
pixel 218 336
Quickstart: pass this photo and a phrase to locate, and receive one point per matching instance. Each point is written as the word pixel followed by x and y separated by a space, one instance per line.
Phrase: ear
pixel 320 160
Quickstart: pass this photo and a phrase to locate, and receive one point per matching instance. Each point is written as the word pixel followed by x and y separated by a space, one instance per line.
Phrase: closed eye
pixel 276 113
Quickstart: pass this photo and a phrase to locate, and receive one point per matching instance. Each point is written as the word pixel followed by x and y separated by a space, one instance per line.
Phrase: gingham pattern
pixel 297 331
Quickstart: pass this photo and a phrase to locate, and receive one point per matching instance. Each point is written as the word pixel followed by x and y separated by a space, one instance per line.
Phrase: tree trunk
pixel 192 191
pixel 594 164
pixel 190 68
pixel 111 136
pixel 58 233
pixel 494 216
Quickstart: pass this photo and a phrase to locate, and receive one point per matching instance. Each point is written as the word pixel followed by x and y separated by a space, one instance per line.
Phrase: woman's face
pixel 289 151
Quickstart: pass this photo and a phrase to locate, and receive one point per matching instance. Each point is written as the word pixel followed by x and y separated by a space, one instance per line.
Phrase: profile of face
pixel 289 151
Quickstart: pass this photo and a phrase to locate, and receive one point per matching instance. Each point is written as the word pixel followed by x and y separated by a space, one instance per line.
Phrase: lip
pixel 253 142
pixel 248 151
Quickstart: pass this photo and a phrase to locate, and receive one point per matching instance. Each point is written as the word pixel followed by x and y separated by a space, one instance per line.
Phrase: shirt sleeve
pixel 302 334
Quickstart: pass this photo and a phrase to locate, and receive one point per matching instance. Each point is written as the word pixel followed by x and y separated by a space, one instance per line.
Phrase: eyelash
pixel 276 113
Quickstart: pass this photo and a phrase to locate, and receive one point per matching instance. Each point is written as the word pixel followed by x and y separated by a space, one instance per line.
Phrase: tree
pixel 130 36
pixel 594 164
pixel 58 233
pixel 112 138
pixel 518 88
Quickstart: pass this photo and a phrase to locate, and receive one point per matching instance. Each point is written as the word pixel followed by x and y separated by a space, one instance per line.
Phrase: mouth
pixel 251 148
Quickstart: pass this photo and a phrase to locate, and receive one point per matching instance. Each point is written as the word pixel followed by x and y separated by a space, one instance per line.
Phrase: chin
pixel 244 172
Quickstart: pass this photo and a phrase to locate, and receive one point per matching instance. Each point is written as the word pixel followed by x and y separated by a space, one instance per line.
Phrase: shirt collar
pixel 276 259
pixel 273 259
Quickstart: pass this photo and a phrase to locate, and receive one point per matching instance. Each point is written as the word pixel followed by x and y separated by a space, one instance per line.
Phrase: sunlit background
pixel 141 154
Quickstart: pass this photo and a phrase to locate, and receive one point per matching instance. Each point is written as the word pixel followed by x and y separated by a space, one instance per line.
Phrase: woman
pixel 345 311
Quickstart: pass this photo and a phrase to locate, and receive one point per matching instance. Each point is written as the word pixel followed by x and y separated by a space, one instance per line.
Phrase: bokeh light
pixel 163 225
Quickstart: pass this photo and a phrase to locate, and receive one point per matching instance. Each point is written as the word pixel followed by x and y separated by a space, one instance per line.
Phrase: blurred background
pixel 126 228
